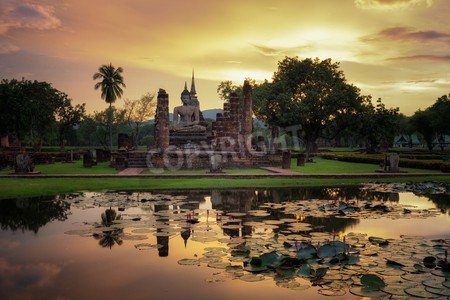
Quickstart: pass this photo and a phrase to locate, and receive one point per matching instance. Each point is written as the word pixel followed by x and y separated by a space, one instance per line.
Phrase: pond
pixel 388 241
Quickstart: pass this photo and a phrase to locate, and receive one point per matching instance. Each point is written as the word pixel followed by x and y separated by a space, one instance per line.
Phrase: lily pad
pixel 189 262
pixel 420 292
pixel 306 251
pixel 252 277
pixel 372 281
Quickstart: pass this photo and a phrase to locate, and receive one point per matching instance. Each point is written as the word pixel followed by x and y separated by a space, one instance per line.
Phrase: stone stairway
pixel 137 160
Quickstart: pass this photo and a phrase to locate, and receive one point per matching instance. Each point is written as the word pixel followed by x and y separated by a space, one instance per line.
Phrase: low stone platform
pixel 131 171
pixel 280 171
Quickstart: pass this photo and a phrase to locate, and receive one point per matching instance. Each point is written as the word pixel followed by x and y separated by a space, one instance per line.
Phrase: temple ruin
pixel 186 142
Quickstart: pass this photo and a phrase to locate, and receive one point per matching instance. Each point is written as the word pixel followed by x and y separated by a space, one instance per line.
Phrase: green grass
pixel 29 187
pixel 321 165
pixel 71 168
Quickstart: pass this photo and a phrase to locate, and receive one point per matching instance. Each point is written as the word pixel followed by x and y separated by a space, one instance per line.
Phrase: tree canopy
pixel 33 109
pixel 310 93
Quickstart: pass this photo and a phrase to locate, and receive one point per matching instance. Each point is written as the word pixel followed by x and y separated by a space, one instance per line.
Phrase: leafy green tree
pixel 138 111
pixel 379 125
pixel 32 109
pixel 108 122
pixel 110 84
pixel 441 124
pixel 422 121
pixel 68 116
pixel 86 133
pixel 310 93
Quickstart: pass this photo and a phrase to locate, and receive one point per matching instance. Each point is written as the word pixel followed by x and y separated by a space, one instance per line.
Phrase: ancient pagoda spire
pixel 193 92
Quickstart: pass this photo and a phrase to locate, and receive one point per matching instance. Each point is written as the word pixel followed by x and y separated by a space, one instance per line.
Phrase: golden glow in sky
pixel 397 50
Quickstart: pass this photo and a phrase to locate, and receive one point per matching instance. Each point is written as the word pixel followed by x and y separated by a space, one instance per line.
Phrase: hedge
pixel 429 164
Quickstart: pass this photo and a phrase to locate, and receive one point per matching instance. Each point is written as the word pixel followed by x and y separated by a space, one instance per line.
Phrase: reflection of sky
pixel 420 202
pixel 56 265
pixel 433 227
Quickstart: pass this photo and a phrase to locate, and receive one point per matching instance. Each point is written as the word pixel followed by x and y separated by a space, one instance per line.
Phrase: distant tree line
pixel 314 96
pixel 39 115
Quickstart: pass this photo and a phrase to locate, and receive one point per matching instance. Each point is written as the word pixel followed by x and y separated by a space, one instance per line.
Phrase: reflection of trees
pixel 327 193
pixel 109 236
pixel 331 224
pixel 109 216
pixel 31 213
pixel 442 201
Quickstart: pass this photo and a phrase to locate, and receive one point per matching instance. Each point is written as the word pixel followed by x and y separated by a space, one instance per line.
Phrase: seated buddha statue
pixel 186 117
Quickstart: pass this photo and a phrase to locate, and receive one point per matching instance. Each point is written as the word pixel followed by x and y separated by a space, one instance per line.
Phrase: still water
pixel 225 244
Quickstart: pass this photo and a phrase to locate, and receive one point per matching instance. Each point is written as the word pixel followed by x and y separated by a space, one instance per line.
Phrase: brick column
pixel 162 120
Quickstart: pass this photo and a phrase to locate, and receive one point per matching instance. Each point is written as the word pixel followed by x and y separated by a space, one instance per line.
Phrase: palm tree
pixel 111 86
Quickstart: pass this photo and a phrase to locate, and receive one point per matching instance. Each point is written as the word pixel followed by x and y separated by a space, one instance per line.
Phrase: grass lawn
pixel 321 165
pixel 29 187
pixel 71 168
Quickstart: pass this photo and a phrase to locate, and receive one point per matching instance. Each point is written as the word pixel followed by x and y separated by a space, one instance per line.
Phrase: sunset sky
pixel 397 50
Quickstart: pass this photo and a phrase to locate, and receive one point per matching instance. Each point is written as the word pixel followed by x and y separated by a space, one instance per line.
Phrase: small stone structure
pixel 24 164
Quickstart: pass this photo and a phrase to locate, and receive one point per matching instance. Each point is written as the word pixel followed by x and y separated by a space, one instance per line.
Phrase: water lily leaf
pixel 272 259
pixel 306 251
pixel 367 292
pixel 304 271
pixel 326 251
pixel 252 277
pixel 394 263
pixel 189 262
pixel 332 292
pixel 429 262
pixel 372 281
pixel 319 273
pixel 378 241
pixel 439 291
pixel 419 268
pixel 420 292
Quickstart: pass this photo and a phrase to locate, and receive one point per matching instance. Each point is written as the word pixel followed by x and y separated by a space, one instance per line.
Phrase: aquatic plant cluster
pixel 284 242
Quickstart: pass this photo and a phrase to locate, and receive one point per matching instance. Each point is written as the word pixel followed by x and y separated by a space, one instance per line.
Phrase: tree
pixel 68 116
pixel 441 124
pixel 312 94
pixel 111 87
pixel 107 122
pixel 422 120
pixel 31 108
pixel 225 88
pixel 138 111
pixel 379 125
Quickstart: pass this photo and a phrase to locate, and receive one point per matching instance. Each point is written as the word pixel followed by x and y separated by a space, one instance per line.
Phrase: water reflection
pixel 221 229
pixel 30 214
pixel 109 236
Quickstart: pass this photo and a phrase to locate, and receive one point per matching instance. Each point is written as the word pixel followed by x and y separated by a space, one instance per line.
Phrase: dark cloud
pixel 406 33
pixel 17 15
pixel 437 58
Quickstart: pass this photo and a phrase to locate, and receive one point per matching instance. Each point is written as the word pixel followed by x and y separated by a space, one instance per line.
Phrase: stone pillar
pixel 393 163
pixel 162 120
pixel 247 122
